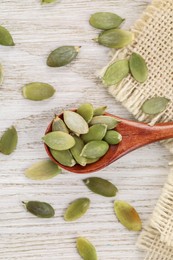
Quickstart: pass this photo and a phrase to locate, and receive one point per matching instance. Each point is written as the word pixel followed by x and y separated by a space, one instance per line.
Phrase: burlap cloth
pixel 154 41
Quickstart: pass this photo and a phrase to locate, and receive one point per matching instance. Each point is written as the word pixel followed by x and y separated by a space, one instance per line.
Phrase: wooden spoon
pixel 134 135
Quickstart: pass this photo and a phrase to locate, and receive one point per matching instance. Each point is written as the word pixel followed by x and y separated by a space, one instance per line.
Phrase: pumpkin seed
pixel 101 186
pixel 75 122
pixel 59 125
pixel 38 91
pixel 113 137
pixel 42 170
pixel 116 72
pixel 63 157
pixel 94 149
pixel 86 111
pixel 155 105
pixel 105 20
pixel 85 249
pixel 127 215
pixel 96 133
pixel 47 1
pixel 40 209
pixel 8 141
pixel 62 56
pixel 110 121
pixel 115 38
pixel 89 160
pixel 77 149
pixel 59 140
pixel 77 209
pixel 138 67
pixel 1 74
pixel 99 110
pixel 5 37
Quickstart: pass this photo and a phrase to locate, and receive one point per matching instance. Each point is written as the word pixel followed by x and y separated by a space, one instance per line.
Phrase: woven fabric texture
pixel 154 41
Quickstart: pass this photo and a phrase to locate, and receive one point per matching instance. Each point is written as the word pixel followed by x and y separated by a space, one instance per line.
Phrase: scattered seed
pixel 1 74
pixel 105 20
pixel 95 149
pixel 155 105
pixel 47 1
pixel 59 125
pixel 8 141
pixel 40 209
pixel 42 170
pixel 76 151
pixel 101 186
pixel 76 209
pixel 115 38
pixel 85 249
pixel 116 72
pixel 86 111
pixel 5 37
pixel 113 137
pixel 75 122
pixel 59 140
pixel 110 121
pixel 99 111
pixel 127 215
pixel 96 133
pixel 63 157
pixel 138 67
pixel 62 56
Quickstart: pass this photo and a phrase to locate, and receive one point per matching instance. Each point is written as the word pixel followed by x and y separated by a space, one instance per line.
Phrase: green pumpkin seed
pixel 101 186
pixel 86 111
pixel 42 170
pixel 1 74
pixel 76 151
pixel 105 20
pixel 116 72
pixel 115 38
pixel 89 160
pixel 47 1
pixel 155 105
pixel 85 249
pixel 8 141
pixel 99 111
pixel 59 125
pixel 76 209
pixel 96 133
pixel 95 149
pixel 127 215
pixel 40 209
pixel 38 91
pixel 62 56
pixel 59 140
pixel 113 137
pixel 63 157
pixel 138 67
pixel 75 122
pixel 5 37
pixel 110 121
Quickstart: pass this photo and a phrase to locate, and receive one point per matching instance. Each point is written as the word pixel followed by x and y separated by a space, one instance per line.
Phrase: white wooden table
pixel 139 176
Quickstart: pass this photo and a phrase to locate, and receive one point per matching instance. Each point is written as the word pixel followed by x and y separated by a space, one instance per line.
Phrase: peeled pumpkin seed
pixel 77 209
pixel 99 110
pixel 127 215
pixel 59 125
pixel 40 209
pixel 47 1
pixel 42 170
pixel 76 151
pixel 85 249
pixel 110 121
pixel 63 157
pixel 89 160
pixel 116 72
pixel 155 105
pixel 96 133
pixel 5 37
pixel 138 67
pixel 101 186
pixel 8 141
pixel 95 149
pixel 62 56
pixel 115 38
pixel 113 137
pixel 75 122
pixel 86 111
pixel 1 74
pixel 105 20
pixel 59 140
pixel 38 91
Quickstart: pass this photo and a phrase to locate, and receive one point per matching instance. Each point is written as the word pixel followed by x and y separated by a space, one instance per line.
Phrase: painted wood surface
pixel 139 176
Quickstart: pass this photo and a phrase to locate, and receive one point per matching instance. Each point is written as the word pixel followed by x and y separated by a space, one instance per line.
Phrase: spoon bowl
pixel 134 135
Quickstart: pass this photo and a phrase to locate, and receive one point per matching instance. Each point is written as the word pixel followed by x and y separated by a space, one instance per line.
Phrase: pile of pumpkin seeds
pixel 82 136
